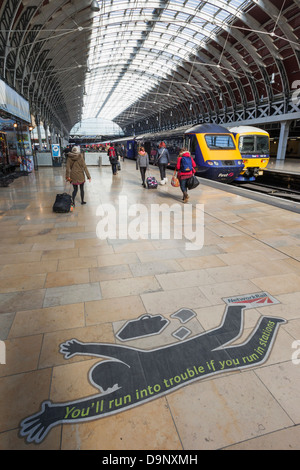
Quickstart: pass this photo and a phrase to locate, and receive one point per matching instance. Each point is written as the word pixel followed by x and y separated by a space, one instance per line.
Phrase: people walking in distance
pixel 113 158
pixel 76 170
pixel 142 163
pixel 162 160
pixel 185 167
pixel 121 152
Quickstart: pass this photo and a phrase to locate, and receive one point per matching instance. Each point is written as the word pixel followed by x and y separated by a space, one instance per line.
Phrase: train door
pixel 190 143
pixel 147 147
pixel 131 149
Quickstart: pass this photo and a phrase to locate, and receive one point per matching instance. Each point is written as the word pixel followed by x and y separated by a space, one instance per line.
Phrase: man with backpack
pixel 113 158
pixel 185 169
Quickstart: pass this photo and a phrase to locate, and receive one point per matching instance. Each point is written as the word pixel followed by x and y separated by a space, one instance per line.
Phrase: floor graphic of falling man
pixel 129 377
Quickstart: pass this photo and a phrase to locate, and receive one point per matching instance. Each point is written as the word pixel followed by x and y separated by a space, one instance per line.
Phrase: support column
pixel 46 135
pixel 39 136
pixel 38 128
pixel 283 138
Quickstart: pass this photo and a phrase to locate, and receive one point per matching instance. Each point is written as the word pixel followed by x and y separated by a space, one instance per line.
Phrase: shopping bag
pixel 175 180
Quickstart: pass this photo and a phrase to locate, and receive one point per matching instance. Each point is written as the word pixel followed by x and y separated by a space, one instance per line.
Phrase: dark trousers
pixel 143 173
pixel 114 167
pixel 162 168
pixel 75 189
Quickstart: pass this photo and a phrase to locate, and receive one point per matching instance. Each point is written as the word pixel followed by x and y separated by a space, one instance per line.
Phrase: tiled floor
pixel 59 281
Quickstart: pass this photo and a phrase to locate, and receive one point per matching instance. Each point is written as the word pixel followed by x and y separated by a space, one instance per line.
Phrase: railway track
pixel 276 184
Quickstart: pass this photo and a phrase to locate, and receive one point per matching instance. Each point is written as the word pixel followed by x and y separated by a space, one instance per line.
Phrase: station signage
pixel 126 376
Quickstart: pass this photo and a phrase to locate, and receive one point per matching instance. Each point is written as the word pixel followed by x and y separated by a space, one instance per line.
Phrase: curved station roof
pixel 153 64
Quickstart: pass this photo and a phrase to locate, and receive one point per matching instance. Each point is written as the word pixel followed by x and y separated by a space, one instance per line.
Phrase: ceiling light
pixel 95 6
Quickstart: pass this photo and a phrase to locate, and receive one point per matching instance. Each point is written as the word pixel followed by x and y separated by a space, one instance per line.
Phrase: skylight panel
pixel 182 16
pixel 222 15
pixel 193 3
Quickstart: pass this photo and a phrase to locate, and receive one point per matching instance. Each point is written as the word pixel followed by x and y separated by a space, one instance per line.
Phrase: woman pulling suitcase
pixel 76 170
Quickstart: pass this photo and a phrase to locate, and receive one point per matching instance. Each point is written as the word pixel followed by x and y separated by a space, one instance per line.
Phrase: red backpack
pixel 112 152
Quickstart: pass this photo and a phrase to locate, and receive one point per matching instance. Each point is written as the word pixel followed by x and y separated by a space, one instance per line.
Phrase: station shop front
pixel 15 125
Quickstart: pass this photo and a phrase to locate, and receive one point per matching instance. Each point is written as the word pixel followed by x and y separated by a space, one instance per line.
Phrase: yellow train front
pixel 215 152
pixel 254 146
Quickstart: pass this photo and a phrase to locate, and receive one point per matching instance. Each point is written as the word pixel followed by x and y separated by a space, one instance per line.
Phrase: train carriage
pixel 254 146
pixel 212 146
pixel 215 152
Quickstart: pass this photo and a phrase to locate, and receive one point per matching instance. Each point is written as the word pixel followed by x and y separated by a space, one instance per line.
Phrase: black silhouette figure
pixel 130 376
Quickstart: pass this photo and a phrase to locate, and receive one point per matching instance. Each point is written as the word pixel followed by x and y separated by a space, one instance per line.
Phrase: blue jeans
pixel 183 184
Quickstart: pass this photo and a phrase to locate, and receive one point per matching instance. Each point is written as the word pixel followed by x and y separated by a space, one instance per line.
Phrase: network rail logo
pixel 161 221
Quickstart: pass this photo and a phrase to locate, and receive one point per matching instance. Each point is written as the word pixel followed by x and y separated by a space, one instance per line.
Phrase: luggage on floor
pixel 151 182
pixel 62 203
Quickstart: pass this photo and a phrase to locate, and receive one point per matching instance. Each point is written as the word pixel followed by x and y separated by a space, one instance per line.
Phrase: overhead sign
pixel 55 148
pixel 131 376
pixel 13 103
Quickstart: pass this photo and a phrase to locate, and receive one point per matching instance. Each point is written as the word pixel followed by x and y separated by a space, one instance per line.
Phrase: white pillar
pixel 46 136
pixel 39 136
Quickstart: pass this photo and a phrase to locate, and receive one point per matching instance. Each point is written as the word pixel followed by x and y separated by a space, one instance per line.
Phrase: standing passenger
pixel 76 170
pixel 142 163
pixel 163 160
pixel 113 158
pixel 185 169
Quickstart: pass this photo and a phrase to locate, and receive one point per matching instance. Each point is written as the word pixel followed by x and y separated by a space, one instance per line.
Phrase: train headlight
pixel 216 163
pixel 210 163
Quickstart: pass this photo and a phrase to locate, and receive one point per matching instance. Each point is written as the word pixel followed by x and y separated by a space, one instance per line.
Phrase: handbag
pixel 192 182
pixel 175 180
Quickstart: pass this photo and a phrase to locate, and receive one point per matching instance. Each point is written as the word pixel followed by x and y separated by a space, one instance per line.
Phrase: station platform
pixel 289 165
pixel 147 344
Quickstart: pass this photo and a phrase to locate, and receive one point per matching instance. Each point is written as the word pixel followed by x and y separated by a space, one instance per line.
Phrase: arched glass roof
pixel 152 64
pixel 136 46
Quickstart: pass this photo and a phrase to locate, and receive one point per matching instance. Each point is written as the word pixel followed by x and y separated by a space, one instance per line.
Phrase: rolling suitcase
pixel 151 182
pixel 63 203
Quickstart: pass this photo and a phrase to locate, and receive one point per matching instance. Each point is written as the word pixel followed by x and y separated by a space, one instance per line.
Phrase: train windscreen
pixel 219 141
pixel 254 144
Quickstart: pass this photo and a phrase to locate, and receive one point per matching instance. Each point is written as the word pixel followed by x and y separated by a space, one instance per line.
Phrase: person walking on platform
pixel 76 170
pixel 162 160
pixel 142 163
pixel 113 158
pixel 185 167
pixel 121 152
